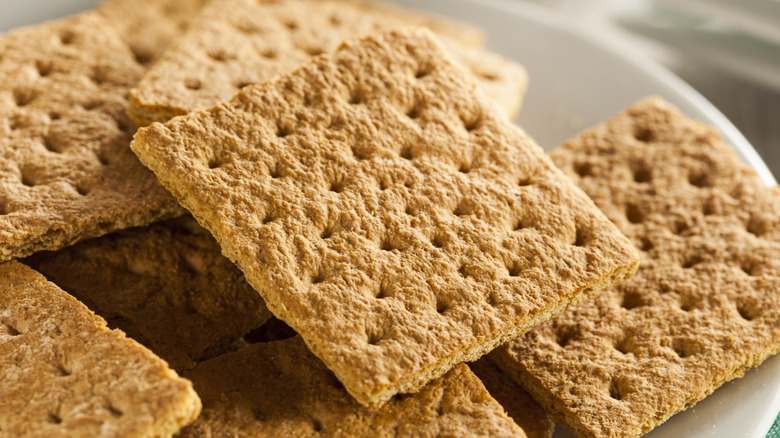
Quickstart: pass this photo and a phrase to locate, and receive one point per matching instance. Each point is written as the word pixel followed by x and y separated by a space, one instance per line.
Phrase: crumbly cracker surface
pixel 65 374
pixel 386 212
pixel 703 307
pixel 281 389
pixel 166 285
pixel 235 43
pixel 66 169
pixel 519 405
pixel 149 26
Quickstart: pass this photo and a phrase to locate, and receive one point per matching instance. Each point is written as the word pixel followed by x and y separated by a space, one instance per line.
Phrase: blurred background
pixel 728 50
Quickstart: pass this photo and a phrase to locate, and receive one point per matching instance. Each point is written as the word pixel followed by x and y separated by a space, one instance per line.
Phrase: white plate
pixel 577 80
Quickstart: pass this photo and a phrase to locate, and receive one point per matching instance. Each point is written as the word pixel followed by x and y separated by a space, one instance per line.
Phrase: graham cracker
pixel 66 171
pixel 234 43
pixel 387 212
pixel 519 405
pixel 703 307
pixel 64 373
pixel 149 26
pixel 166 285
pixel 281 389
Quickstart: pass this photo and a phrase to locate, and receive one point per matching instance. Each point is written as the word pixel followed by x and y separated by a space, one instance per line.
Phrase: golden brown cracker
pixel 387 212
pixel 66 171
pixel 703 307
pixel 64 373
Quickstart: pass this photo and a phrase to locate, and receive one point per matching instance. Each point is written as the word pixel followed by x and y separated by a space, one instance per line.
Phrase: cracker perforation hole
pixel 54 418
pixel 515 269
pixel 12 331
pixel 407 153
pixel 525 181
pixel 44 67
pixel 472 123
pixel 439 241
pixel 219 55
pixel 67 37
pixel 60 370
pixel 29 179
pixel 422 71
pixel 564 338
pixel 361 154
pixel 699 179
pixel 382 291
pixel 313 50
pixel 489 76
pixel 374 338
pixel 643 134
pixel 748 312
pixel 410 210
pixel 643 175
pixel 50 145
pixel 282 131
pixel 442 305
pixel 646 244
pixel 113 410
pixel 583 169
pixel 337 186
pixel 581 236
pixel 632 300
pixel 193 84
pixel 624 346
pixel 692 261
pixel 749 267
pixel 215 163
pixel 54 116
pixel 326 233
pixel 23 97
pixel 316 425
pixel 269 54
pixel 464 167
pixel 335 20
pixel 291 24
pixel 103 158
pixel 414 112
pixel 319 277
pixel 463 209
pixel 757 226
pixel 682 348
pixel 387 245
pixel 355 98
pixel 82 190
pixel 241 84
pixel 634 214
pixel 464 271
pixel 268 218
pixel 619 389
pixel 92 104
pixel 520 224
pixel 275 171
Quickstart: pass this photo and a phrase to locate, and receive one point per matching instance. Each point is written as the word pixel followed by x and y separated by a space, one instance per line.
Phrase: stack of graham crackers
pixel 328 212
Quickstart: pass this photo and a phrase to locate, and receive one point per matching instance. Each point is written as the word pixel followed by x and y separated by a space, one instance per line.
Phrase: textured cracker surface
pixel 704 306
pixel 166 285
pixel 235 43
pixel 64 373
pixel 386 212
pixel 66 169
pixel 519 405
pixel 280 389
pixel 149 26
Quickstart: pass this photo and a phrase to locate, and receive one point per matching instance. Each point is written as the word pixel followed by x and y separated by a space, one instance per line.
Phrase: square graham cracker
pixel 280 389
pixel 703 307
pixel 66 168
pixel 64 373
pixel 235 43
pixel 166 285
pixel 387 212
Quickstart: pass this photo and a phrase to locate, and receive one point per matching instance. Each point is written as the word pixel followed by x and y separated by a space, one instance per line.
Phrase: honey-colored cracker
pixel 280 389
pixel 521 407
pixel 149 26
pixel 387 212
pixel 166 285
pixel 703 307
pixel 66 171
pixel 235 43
pixel 64 373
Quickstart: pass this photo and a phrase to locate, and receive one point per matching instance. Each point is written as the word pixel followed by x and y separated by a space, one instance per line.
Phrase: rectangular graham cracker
pixel 280 389
pixel 235 43
pixel 519 405
pixel 167 285
pixel 149 26
pixel 703 307
pixel 66 169
pixel 387 212
pixel 64 373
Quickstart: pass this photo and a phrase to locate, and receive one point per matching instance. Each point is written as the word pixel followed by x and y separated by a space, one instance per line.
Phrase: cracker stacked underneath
pixel 703 307
pixel 386 212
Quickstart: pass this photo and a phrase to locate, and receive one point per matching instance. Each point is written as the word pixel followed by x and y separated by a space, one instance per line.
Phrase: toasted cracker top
pixel 386 212
pixel 703 307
